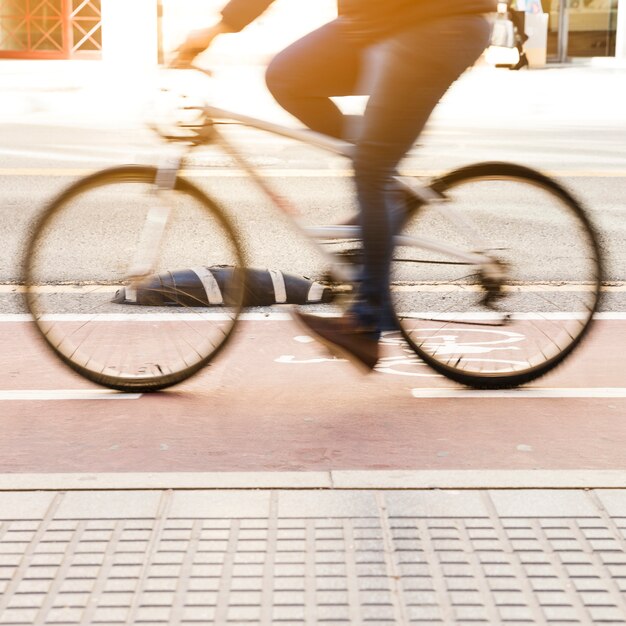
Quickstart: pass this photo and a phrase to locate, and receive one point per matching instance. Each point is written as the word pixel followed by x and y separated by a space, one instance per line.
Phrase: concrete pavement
pixel 268 556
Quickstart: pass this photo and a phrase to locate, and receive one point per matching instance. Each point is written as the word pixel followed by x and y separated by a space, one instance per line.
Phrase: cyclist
pixel 419 48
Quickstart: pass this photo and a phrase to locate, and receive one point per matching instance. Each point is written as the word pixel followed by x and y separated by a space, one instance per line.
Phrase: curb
pixel 426 480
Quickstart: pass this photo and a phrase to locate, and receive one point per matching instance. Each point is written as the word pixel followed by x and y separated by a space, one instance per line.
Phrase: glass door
pixel 592 26
pixel 581 28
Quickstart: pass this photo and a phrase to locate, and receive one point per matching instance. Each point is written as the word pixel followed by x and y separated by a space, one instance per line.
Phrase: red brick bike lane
pixel 274 402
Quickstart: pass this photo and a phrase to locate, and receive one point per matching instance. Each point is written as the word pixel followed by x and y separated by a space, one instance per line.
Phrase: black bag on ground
pixel 209 286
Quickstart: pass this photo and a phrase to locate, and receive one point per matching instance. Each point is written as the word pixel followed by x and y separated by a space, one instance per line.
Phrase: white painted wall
pixel 129 33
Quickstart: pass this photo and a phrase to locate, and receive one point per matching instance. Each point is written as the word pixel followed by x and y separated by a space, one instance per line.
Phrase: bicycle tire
pixel 75 264
pixel 549 252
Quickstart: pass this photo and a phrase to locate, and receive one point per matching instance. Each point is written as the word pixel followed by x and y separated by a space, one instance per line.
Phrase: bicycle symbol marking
pixel 481 342
pixel 450 340
pixel 290 358
pixel 453 343
pixel 405 366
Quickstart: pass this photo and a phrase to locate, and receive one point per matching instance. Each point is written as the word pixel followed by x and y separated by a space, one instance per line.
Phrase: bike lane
pixel 274 402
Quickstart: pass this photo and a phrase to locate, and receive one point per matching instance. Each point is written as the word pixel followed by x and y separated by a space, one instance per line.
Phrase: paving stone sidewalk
pixel 307 556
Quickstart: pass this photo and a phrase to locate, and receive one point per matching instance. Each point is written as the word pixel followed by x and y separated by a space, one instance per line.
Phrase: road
pixel 274 402
pixel 37 162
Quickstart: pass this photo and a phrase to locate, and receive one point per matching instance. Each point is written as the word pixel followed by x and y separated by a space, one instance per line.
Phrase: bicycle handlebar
pixel 167 128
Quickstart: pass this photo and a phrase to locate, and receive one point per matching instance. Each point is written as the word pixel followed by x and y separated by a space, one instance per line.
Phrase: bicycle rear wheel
pixel 79 258
pixel 502 330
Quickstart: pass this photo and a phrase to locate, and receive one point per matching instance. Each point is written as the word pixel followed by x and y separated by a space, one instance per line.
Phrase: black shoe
pixel 523 62
pixel 344 337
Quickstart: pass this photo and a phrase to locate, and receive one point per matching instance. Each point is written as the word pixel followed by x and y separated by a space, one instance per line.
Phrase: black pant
pixel 405 76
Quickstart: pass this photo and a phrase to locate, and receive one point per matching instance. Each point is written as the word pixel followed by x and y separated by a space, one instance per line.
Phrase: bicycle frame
pixel 541 276
pixel 167 172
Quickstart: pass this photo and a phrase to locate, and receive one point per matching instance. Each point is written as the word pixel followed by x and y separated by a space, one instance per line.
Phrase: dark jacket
pixel 371 19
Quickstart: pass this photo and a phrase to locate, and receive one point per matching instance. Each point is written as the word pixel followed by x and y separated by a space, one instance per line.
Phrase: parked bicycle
pixel 488 248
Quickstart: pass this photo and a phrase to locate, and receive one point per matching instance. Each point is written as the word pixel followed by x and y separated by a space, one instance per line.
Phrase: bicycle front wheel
pixel 513 321
pixel 132 334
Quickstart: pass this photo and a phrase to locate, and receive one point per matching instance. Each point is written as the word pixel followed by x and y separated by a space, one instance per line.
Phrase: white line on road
pixel 66 394
pixel 288 173
pixel 84 154
pixel 523 392
pixel 15 318
pixel 417 287
pixel 82 289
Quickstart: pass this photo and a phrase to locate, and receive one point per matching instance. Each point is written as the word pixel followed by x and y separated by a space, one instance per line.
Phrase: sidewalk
pixel 92 94
pixel 310 556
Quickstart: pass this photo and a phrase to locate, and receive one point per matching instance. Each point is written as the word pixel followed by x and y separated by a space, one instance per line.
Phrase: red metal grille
pixel 50 29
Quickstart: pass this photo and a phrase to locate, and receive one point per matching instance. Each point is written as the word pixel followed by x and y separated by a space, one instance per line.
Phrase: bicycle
pixel 510 254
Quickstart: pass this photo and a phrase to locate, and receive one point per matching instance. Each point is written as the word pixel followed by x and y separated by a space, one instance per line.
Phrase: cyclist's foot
pixel 344 337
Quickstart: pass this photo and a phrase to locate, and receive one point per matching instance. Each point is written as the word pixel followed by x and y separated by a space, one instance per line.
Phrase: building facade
pixel 50 29
pixel 585 28
pixel 142 30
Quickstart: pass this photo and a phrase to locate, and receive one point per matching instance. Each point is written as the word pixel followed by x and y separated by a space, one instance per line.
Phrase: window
pixel 50 29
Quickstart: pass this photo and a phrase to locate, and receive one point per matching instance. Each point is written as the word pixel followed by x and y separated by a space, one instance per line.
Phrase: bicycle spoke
pixel 534 327
pixel 134 347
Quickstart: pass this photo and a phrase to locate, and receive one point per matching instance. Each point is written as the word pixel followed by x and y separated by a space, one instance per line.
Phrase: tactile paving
pixel 312 557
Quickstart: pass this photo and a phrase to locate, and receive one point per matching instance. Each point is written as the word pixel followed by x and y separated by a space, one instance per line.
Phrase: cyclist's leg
pixel 304 76
pixel 412 71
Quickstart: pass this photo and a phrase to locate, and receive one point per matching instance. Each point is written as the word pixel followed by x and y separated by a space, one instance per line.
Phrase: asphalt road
pixel 274 401
pixel 38 161
pixel 308 412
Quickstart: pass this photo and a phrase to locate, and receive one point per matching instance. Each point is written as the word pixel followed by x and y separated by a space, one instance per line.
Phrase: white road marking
pixel 95 154
pixel 66 394
pixel 287 173
pixel 522 392
pixel 82 289
pixel 527 288
pixel 618 286
pixel 12 318
pixel 147 317
pixel 289 358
